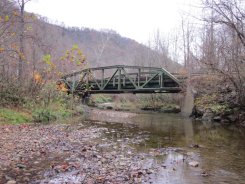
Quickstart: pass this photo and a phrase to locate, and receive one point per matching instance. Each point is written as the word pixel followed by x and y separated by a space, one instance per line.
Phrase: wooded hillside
pixel 29 45
pixel 105 47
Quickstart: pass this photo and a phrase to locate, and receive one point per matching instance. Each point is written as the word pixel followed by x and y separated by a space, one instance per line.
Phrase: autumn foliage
pixel 27 61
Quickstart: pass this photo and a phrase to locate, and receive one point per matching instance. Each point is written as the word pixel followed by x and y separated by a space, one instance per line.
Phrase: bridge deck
pixel 121 79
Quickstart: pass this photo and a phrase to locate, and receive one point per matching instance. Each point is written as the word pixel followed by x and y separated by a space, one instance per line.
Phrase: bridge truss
pixel 121 79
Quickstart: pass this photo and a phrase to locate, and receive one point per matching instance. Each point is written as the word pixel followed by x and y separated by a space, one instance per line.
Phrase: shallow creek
pixel 173 141
pixel 122 148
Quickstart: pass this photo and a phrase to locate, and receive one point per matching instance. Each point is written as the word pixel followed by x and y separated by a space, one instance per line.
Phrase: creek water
pixel 219 150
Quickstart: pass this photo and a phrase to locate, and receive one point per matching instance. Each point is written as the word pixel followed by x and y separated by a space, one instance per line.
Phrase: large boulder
pixel 197 112
pixel 170 109
pixel 208 115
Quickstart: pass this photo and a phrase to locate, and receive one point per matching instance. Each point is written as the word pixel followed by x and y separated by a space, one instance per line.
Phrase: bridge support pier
pixel 85 98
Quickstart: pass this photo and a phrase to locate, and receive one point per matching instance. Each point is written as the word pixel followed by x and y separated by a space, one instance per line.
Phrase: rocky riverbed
pixel 79 153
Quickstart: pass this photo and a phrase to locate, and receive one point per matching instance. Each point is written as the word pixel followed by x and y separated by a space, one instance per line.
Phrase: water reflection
pixel 222 149
pixel 171 129
pixel 189 131
pixel 188 102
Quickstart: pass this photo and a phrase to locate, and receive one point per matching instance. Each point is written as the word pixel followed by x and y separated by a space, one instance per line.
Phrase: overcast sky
pixel 136 19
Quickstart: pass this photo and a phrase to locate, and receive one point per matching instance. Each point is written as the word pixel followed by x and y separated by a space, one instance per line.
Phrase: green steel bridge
pixel 121 79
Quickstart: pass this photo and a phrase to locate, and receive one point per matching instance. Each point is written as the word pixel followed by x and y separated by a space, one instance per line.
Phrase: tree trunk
pixel 21 37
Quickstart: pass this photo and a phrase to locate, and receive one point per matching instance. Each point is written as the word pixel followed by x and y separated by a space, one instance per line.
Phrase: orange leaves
pixel 14 46
pixel 37 77
pixel 61 86
pixel 2 49
pixel 15 13
pixel 21 55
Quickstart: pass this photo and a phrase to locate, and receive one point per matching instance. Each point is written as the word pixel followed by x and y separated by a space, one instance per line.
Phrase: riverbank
pixel 38 114
pixel 121 147
pixel 216 101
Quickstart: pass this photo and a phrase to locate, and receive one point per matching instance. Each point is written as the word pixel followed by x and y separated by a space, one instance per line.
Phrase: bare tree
pixel 227 42
pixel 188 31
pixel 7 33
pixel 21 4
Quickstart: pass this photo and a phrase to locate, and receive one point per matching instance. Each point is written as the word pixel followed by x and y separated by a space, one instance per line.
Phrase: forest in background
pixel 31 38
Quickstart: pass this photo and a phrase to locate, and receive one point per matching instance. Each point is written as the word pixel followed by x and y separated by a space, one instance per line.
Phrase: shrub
pixel 219 108
pixel 11 94
pixel 43 115
pixel 101 98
